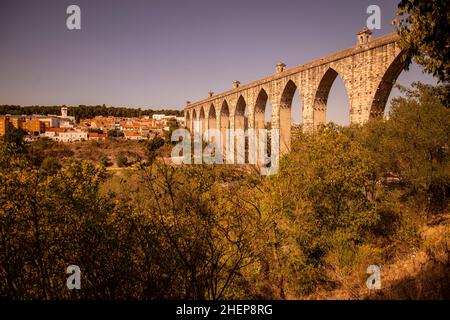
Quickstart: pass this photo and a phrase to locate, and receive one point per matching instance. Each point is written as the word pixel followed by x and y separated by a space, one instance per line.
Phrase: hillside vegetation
pixel 344 199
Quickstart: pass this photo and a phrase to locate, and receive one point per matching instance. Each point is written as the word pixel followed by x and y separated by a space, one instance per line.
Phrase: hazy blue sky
pixel 159 53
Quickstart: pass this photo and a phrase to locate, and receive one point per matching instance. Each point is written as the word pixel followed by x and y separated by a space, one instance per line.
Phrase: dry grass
pixel 108 150
pixel 422 273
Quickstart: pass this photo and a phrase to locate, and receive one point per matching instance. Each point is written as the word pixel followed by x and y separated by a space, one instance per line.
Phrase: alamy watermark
pixel 74 279
pixel 228 146
pixel 374 20
pixel 374 280
pixel 73 21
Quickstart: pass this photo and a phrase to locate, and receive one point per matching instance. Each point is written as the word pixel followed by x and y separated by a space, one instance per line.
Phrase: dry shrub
pixel 425 274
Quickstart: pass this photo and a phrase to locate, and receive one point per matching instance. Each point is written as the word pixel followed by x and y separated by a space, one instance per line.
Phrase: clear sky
pixel 160 53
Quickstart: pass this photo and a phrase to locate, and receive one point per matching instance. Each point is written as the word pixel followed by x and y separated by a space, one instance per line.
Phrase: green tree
pixel 152 147
pixel 173 125
pixel 104 161
pixel 424 27
pixel 50 165
pixel 114 133
pixel 412 146
pixel 121 161
pixel 14 136
pixel 49 220
pixel 323 197
pixel 207 231
pixel 95 130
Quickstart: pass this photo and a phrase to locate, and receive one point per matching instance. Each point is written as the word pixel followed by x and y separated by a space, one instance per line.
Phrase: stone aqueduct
pixel 368 71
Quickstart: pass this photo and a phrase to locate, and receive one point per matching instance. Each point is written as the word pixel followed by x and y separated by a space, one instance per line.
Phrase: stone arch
pixel 240 117
pixel 384 87
pixel 212 118
pixel 188 120
pixel 259 122
pixel 224 124
pixel 241 123
pixel 194 120
pixel 285 115
pixel 260 109
pixel 203 120
pixel 224 115
pixel 321 96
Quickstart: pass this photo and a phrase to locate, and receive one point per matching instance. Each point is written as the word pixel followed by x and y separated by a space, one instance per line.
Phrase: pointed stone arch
pixel 321 96
pixel 224 124
pixel 194 120
pixel 188 120
pixel 212 117
pixel 260 109
pixel 285 106
pixel 240 120
pixel 224 115
pixel 385 85
pixel 203 120
pixel 259 122
pixel 240 123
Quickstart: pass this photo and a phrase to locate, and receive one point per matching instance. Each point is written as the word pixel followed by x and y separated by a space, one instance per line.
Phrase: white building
pixel 66 136
pixel 158 117
pixel 64 112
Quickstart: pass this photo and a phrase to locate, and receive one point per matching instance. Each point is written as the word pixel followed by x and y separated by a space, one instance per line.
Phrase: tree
pixel 104 161
pixel 424 28
pixel 152 146
pixel 49 220
pixel 207 233
pixel 14 136
pixel 173 125
pixel 95 130
pixel 50 165
pixel 416 140
pixel 114 133
pixel 325 203
pixel 122 160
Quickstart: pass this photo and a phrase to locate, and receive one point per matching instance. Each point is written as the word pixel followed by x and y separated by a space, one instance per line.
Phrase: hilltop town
pixel 65 128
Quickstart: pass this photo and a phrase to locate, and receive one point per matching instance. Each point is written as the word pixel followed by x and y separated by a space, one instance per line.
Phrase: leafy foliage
pixel 14 136
pixel 424 28
pixel 344 198
pixel 152 147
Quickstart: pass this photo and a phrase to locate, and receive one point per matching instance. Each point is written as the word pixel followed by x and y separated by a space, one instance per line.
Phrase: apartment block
pixel 4 125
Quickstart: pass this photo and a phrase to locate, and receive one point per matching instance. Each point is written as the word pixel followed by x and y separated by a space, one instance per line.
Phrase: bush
pixel 152 147
pixel 104 161
pixel 344 198
pixel 50 165
pixel 121 161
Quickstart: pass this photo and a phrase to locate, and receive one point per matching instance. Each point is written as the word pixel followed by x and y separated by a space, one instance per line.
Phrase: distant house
pixel 34 126
pixel 4 125
pixel 158 117
pixel 97 136
pixel 72 136
pixel 64 135
pixel 145 131
pixel 133 135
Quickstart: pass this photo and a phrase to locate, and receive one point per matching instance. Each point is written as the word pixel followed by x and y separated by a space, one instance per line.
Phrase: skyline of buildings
pixel 64 128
